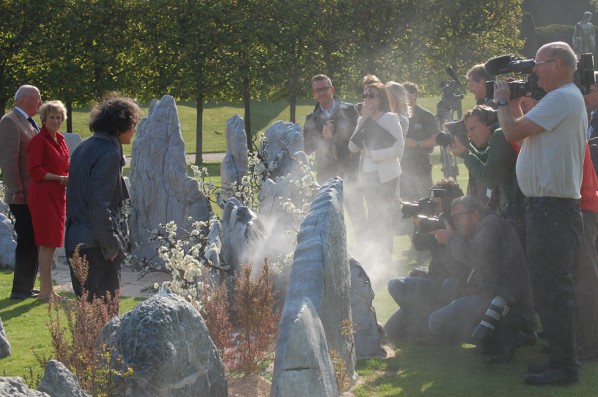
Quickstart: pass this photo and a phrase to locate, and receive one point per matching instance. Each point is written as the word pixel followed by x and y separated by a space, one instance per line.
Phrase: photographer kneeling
pixel 491 160
pixel 496 302
pixel 425 291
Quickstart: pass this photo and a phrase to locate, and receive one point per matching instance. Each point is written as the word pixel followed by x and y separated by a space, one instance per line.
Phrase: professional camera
pixel 455 129
pixel 423 206
pixel 583 78
pixel 528 86
pixel 497 310
pixel 427 225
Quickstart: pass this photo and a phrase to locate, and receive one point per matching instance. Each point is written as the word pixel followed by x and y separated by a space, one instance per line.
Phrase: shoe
pixel 552 376
pixel 21 296
pixel 538 368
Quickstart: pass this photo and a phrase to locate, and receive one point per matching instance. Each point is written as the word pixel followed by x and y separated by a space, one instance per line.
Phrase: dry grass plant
pixel 338 362
pixel 245 351
pixel 75 327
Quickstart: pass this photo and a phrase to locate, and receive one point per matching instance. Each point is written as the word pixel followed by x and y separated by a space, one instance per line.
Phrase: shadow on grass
pixel 461 371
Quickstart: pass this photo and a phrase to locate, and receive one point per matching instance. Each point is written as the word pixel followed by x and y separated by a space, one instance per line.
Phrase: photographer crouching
pixel 495 305
pixel 422 292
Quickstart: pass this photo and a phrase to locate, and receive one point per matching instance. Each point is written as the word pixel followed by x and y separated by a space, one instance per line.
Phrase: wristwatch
pixel 502 102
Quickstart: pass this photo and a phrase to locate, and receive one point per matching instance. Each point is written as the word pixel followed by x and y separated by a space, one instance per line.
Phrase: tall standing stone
pixel 235 164
pixel 304 365
pixel 161 191
pixel 7 242
pixel 5 350
pixel 320 272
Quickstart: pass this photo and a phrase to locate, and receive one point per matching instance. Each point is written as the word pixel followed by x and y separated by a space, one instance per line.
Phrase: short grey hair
pixel 25 90
pixel 564 52
pixel 52 106
pixel 470 203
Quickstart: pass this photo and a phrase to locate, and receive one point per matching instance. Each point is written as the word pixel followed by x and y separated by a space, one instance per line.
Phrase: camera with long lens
pixel 528 86
pixel 497 310
pixel 422 206
pixel 454 130
pixel 427 225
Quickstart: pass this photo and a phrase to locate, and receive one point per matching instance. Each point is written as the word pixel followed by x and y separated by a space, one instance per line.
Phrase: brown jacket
pixel 15 134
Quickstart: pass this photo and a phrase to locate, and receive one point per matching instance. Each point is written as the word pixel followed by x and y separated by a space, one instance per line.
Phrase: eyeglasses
pixel 322 89
pixel 455 216
pixel 371 96
pixel 543 62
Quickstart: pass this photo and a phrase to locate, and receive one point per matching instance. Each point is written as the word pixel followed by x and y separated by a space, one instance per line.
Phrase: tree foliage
pixel 230 50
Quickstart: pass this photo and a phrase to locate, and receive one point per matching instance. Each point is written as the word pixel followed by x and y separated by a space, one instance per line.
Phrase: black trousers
pixel 552 234
pixel 26 258
pixel 103 275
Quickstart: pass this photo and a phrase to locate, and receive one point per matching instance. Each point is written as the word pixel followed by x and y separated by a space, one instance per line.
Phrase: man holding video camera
pixel 495 303
pixel 549 172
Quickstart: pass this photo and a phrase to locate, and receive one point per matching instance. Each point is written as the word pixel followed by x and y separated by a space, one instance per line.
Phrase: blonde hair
pixel 52 106
pixel 400 94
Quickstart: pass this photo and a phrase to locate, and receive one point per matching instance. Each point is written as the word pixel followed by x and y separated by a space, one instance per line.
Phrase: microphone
pixel 499 65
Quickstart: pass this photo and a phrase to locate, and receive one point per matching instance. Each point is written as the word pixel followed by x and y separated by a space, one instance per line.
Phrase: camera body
pixel 528 86
pixel 424 206
pixel 454 130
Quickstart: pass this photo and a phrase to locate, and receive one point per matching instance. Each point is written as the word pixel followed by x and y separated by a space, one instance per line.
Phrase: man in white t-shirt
pixel 549 171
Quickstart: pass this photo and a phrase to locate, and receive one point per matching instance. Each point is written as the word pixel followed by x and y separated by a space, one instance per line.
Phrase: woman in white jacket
pixel 381 150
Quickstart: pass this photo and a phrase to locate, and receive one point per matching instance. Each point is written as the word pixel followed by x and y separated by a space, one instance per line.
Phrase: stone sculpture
pixel 584 38
pixel 16 387
pixel 282 140
pixel 58 381
pixel 5 350
pixel 161 191
pixel 242 236
pixel 303 366
pixel 72 140
pixel 320 272
pixel 235 164
pixel 168 344
pixel 368 333
pixel 7 242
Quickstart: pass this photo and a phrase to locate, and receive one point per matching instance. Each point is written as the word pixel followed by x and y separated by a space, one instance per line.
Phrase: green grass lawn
pixel 25 323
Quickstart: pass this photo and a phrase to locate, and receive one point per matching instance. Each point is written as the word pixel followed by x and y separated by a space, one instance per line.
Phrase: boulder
pixel 16 387
pixel 5 350
pixel 166 342
pixel 58 381
pixel 7 242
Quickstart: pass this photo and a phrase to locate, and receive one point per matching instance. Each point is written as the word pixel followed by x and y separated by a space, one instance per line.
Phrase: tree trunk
pixel 292 107
pixel 199 131
pixel 247 106
pixel 69 116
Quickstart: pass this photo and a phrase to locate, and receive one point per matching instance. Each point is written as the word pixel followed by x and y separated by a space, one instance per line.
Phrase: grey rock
pixel 72 140
pixel 16 387
pixel 368 333
pixel 5 350
pixel 214 242
pixel 242 236
pixel 161 191
pixel 166 342
pixel 304 365
pixel 7 242
pixel 235 164
pixel 58 381
pixel 320 272
pixel 282 140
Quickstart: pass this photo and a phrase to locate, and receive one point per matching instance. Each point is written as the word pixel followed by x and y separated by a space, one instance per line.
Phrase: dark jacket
pixel 333 158
pixel 496 261
pixel 495 168
pixel 95 194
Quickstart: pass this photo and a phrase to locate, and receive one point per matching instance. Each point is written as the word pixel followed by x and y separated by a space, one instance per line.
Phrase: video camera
pixel 454 130
pixel 528 86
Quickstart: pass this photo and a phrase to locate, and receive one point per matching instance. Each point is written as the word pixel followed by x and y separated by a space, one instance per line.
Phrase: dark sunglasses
pixel 371 96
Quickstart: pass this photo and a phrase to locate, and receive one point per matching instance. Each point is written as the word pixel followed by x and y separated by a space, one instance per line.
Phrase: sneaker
pixel 552 376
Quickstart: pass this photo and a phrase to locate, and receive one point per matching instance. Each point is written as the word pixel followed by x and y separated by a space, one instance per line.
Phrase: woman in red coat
pixel 48 167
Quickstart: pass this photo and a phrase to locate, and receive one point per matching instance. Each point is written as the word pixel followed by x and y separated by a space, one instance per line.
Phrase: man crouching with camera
pixel 495 304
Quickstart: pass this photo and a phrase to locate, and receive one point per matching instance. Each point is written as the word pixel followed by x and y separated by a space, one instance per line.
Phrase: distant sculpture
pixel 583 35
